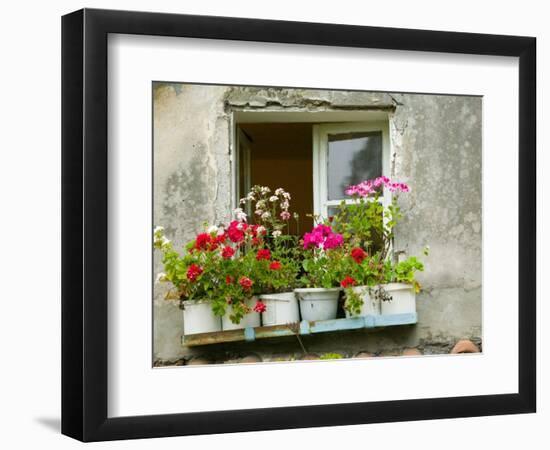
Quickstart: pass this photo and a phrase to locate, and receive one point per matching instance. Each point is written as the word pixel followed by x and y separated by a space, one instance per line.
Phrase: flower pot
pixel 199 318
pixel 403 299
pixel 371 304
pixel 281 309
pixel 318 303
pixel 252 319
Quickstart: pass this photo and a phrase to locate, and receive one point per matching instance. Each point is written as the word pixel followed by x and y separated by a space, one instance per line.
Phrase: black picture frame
pixel 84 224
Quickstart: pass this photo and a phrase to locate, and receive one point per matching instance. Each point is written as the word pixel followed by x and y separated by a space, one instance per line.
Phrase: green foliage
pixel 353 301
pixel 323 268
pixel 404 272
pixel 366 223
pixel 331 356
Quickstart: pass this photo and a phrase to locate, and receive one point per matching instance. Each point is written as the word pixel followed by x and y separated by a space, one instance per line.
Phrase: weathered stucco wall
pixel 437 143
pixel 191 182
pixel 436 148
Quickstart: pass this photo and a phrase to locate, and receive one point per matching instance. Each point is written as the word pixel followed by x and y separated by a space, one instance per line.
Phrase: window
pixel 346 154
pixel 314 161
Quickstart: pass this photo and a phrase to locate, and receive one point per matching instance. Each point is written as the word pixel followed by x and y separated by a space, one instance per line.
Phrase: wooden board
pixel 302 328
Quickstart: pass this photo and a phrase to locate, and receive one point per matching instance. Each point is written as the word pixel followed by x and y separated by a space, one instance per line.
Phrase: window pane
pixel 352 158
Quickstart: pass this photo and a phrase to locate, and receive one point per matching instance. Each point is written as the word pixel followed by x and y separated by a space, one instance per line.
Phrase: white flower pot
pixel 199 318
pixel 318 303
pixel 403 299
pixel 371 304
pixel 252 319
pixel 281 309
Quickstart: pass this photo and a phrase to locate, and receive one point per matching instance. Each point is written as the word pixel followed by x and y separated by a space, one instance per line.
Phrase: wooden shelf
pixel 303 328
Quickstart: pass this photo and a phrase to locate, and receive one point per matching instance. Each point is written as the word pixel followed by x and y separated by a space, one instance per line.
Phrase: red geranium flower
pixel 348 281
pixel 358 254
pixel 228 279
pixel 193 272
pixel 228 252
pixel 220 238
pixel 259 307
pixel 236 231
pixel 246 283
pixel 264 253
pixel 202 240
pixel 275 265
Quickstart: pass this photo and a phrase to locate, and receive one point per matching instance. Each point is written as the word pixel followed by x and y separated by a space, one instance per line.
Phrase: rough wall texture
pixel 436 148
pixel 191 181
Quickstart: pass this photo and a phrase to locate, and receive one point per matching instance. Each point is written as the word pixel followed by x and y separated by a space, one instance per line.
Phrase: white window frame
pixel 320 160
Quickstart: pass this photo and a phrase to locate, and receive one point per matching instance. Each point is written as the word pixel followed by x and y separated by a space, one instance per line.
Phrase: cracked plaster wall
pixel 436 148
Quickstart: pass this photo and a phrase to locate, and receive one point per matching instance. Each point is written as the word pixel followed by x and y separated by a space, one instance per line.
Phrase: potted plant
pixel 322 263
pixel 210 280
pixel 235 299
pixel 275 261
pixel 398 294
pixel 367 226
pixel 278 270
pixel 193 280
pixel 363 272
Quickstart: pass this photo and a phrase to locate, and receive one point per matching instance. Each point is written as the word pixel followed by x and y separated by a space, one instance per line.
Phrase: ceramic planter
pixel 318 303
pixel 281 309
pixel 403 299
pixel 251 319
pixel 199 318
pixel 371 304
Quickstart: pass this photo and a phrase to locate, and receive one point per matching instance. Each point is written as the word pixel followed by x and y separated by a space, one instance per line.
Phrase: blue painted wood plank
pixel 395 319
pixel 323 326
pixel 249 334
pixel 304 327
pixel 369 322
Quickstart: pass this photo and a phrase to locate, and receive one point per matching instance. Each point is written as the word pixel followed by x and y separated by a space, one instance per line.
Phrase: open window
pixel 315 161
pixel 346 154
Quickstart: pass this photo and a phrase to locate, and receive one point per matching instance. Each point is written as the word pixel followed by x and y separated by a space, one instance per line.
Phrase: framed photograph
pixel 273 224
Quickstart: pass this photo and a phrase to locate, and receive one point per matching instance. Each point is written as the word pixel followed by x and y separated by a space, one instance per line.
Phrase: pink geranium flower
pixel 369 187
pixel 323 237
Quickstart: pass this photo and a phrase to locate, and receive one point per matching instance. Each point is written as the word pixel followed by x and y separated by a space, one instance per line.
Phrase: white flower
pixel 159 240
pixel 161 276
pixel 242 201
pixel 266 215
pixel 285 205
pixel 240 215
pixel 221 230
pixel 258 212
pixel 240 226
pixel 286 195
pixel 265 190
pixel 250 196
pixel 279 191
pixel 260 229
pixel 273 198
pixel 212 229
pixel 277 233
pixel 261 204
